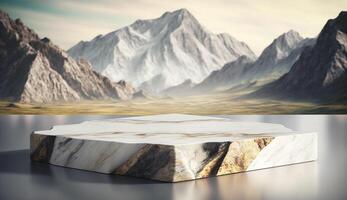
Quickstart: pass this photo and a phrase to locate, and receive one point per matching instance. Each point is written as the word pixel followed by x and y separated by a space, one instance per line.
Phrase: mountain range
pixel 159 53
pixel 320 74
pixel 36 70
pixel 274 61
pixel 173 55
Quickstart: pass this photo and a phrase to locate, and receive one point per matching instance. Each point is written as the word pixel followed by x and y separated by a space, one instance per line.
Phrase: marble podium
pixel 172 147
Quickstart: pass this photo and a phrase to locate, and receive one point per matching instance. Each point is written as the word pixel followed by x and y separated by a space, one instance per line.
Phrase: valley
pixel 211 104
pixel 172 64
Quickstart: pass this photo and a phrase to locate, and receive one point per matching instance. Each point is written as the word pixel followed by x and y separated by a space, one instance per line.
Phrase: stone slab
pixel 172 147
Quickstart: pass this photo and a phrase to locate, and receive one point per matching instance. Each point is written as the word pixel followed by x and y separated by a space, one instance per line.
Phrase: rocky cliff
pixel 36 70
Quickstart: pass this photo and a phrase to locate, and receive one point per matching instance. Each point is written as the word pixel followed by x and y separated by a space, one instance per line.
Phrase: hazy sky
pixel 256 22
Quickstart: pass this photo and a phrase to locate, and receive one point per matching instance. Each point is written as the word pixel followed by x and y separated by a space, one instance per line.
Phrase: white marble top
pixel 170 129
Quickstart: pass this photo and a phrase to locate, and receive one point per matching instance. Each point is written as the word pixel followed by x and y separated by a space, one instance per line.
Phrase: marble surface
pixel 172 148
pixel 319 180
pixel 171 129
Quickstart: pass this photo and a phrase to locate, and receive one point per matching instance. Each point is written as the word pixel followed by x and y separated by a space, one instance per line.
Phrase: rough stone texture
pixel 151 161
pixel 41 147
pixel 35 70
pixel 241 154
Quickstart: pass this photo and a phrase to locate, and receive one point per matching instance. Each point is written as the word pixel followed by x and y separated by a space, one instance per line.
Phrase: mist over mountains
pixel 274 61
pixel 172 55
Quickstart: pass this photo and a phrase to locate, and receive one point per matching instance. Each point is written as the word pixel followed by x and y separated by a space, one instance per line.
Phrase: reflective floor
pixel 323 179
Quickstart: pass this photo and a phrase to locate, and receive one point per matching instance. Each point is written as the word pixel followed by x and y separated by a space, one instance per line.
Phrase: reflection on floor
pixel 324 179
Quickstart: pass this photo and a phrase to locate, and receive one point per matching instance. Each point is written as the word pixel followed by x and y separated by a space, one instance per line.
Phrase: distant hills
pixel 274 61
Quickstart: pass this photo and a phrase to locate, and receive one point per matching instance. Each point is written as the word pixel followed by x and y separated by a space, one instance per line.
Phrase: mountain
pixel 142 95
pixel 274 61
pixel 279 56
pixel 35 70
pixel 158 53
pixel 226 77
pixel 182 89
pixel 320 72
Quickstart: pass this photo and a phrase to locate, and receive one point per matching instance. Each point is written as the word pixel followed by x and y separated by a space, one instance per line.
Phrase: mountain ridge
pixel 171 49
pixel 34 70
pixel 275 60
pixel 320 72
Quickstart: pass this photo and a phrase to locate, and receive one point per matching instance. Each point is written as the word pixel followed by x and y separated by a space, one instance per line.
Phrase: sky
pixel 256 22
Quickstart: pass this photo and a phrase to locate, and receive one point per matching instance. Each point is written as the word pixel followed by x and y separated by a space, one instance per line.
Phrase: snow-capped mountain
pixel 158 53
pixel 35 70
pixel 274 61
pixel 321 71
